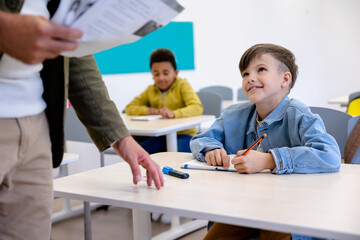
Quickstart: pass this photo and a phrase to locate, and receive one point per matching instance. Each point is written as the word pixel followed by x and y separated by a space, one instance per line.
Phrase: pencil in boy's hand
pixel 254 144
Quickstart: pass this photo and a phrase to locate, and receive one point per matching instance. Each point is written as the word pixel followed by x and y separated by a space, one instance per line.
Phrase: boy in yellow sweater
pixel 170 96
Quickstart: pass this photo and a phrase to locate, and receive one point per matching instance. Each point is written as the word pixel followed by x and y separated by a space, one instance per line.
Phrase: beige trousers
pixel 26 196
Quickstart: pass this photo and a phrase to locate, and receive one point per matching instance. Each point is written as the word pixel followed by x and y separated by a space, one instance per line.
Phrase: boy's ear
pixel 176 72
pixel 286 79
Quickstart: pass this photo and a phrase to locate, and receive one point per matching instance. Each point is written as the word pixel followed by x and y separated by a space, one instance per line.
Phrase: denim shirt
pixel 296 137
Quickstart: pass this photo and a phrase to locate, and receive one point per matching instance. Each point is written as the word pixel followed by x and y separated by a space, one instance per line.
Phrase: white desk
pixel 343 101
pixel 169 128
pixel 161 127
pixel 321 205
pixel 227 103
pixel 66 211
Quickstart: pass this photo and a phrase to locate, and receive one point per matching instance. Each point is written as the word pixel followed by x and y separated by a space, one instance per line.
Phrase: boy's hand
pixel 167 113
pixel 253 161
pixel 217 157
pixel 152 111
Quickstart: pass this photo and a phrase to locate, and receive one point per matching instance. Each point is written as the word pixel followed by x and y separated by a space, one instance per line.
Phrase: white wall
pixel 324 35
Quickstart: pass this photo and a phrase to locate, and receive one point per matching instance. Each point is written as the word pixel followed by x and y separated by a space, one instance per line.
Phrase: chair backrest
pixel 336 124
pixel 241 95
pixel 225 92
pixel 354 104
pixel 352 123
pixel 74 129
pixel 211 102
pixel 354 95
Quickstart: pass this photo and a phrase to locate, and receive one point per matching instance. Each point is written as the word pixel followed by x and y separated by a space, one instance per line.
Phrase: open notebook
pixel 147 118
pixel 195 164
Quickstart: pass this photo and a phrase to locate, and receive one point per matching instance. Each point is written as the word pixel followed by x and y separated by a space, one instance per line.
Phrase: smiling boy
pixel 296 140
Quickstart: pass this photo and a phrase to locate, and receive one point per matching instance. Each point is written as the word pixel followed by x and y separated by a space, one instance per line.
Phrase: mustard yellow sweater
pixel 180 98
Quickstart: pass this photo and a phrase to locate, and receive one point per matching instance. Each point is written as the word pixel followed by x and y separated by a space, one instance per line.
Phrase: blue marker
pixel 170 171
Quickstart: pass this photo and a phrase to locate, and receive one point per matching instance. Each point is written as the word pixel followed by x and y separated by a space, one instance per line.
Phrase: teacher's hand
pixel 135 155
pixel 32 39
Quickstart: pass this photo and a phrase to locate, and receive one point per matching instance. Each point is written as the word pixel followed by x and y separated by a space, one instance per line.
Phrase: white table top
pixel 163 126
pixel 343 100
pixel 322 205
pixel 227 103
pixel 69 157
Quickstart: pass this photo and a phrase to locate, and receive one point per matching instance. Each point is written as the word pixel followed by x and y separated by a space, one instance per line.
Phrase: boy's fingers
pixel 218 158
pixel 225 159
pixel 240 152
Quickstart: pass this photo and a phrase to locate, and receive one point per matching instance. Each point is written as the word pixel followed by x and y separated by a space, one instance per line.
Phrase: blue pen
pixel 170 171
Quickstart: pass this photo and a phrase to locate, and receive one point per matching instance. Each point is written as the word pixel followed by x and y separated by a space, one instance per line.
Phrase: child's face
pixel 264 83
pixel 164 74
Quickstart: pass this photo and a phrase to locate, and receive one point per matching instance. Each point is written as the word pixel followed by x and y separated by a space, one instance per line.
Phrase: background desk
pixel 161 127
pixel 66 211
pixel 227 103
pixel 343 101
pixel 322 205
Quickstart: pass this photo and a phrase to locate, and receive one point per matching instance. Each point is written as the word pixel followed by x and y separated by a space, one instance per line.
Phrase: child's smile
pixel 264 83
pixel 253 88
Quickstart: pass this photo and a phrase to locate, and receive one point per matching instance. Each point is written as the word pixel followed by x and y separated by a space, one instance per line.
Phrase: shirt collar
pixel 279 112
pixel 276 115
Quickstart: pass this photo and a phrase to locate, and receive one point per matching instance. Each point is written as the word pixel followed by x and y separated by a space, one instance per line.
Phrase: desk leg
pixel 141 224
pixel 171 142
pixel 87 222
pixel 177 230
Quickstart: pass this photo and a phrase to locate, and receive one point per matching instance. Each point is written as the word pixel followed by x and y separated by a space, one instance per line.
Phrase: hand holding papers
pixel 108 23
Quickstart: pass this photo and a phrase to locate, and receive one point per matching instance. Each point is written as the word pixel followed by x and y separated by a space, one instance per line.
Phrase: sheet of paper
pixel 147 118
pixel 109 23
pixel 195 164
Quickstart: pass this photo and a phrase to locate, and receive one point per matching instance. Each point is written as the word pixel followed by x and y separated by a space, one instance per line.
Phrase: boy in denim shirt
pixel 296 140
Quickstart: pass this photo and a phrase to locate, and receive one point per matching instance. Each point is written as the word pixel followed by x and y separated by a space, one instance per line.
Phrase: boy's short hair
pixel 282 54
pixel 162 55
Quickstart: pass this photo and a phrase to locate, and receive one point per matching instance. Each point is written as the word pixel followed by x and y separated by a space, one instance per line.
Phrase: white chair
pixel 336 124
pixel 225 92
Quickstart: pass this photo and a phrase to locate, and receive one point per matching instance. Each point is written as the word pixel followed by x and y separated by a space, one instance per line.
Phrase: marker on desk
pixel 170 171
pixel 254 144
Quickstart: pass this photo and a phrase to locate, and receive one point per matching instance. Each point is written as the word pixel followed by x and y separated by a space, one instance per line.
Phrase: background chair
pixel 352 123
pixel 241 95
pixel 336 124
pixel 354 104
pixel 211 102
pixel 225 92
pixel 75 131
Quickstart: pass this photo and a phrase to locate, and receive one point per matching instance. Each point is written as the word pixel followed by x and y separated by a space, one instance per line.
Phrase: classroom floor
pixel 114 223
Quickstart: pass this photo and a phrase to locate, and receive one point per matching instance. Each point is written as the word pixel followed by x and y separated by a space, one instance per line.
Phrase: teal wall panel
pixel 134 57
